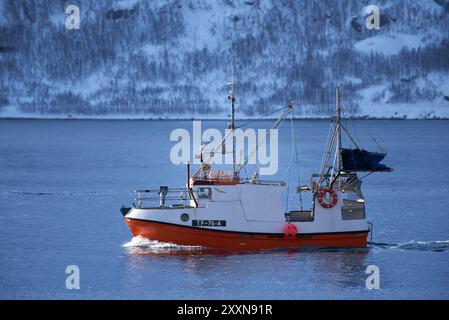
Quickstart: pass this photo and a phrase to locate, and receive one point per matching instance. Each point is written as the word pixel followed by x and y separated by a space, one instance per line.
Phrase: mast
pixel 334 144
pixel 337 164
pixel 232 126
pixel 338 127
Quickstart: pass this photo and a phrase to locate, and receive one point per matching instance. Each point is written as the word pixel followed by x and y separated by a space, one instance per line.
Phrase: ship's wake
pixel 141 242
pixel 437 246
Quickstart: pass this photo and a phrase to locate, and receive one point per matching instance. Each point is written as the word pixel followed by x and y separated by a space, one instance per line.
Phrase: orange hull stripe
pixel 234 241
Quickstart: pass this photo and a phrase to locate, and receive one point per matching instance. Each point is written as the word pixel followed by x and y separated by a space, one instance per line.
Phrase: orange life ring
pixel 322 198
pixel 290 230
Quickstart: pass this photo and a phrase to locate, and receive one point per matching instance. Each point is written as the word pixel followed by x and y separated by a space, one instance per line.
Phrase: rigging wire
pixel 351 126
pixel 295 147
pixel 226 136
pixel 279 122
pixel 288 182
pixel 366 175
pixel 294 153
pixel 329 135
pixel 287 175
pixel 261 117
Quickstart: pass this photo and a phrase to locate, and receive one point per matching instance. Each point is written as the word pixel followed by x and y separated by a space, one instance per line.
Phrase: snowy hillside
pixel 172 59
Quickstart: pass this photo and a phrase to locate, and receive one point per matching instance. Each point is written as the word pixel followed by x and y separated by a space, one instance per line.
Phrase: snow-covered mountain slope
pixel 173 58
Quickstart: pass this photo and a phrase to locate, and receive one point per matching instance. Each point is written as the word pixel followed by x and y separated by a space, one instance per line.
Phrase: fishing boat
pixel 226 211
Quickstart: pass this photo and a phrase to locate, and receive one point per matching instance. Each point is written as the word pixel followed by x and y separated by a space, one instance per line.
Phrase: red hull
pixel 165 232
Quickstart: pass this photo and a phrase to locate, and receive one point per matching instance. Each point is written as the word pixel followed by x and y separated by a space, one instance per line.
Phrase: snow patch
pixel 353 80
pixel 389 44
pixel 126 4
pixel 57 19
pixel 374 102
pixel 3 20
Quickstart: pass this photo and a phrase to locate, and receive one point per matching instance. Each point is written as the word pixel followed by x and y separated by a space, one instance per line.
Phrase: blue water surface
pixel 62 184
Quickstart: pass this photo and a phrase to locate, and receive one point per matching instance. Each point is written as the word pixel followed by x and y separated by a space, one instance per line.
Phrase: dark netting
pixel 362 160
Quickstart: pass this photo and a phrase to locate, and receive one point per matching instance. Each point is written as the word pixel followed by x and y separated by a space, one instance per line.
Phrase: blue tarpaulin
pixel 362 160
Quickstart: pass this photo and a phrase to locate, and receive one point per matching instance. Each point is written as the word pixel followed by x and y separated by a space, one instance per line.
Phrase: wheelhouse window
pixel 204 193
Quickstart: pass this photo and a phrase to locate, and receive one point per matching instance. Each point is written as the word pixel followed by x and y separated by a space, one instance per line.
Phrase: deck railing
pixel 180 197
pixel 167 198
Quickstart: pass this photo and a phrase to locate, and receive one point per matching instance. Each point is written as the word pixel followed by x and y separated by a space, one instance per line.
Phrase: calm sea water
pixel 62 183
